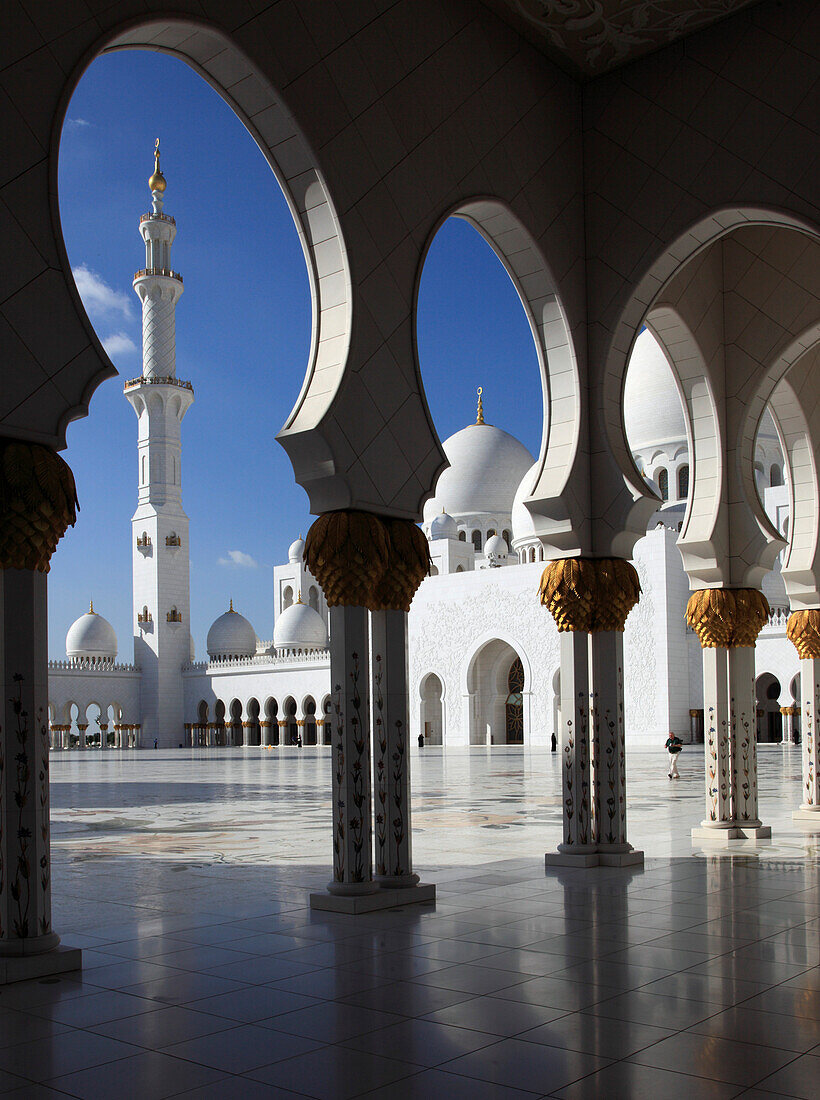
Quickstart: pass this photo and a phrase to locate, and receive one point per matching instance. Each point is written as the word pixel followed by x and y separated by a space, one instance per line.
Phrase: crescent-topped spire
pixel 157 180
pixel 480 414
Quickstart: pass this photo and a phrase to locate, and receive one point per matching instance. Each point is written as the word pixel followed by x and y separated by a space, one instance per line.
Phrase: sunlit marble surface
pixel 184 877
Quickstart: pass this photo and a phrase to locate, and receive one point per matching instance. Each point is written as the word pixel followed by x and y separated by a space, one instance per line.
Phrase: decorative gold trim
pixel 590 594
pixel 727 618
pixel 347 552
pixel 803 631
pixel 38 501
pixel 408 565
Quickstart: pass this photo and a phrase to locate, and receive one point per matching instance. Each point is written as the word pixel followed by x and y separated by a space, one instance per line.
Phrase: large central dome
pixel 653 411
pixel 486 467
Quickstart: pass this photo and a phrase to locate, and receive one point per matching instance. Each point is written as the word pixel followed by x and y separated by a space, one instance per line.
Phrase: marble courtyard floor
pixel 184 876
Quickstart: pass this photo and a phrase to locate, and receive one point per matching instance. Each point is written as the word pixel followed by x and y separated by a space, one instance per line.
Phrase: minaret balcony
pixel 146 272
pixel 157 380
pixel 156 217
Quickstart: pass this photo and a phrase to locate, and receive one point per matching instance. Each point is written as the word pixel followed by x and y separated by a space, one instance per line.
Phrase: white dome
pixel 496 550
pixel 653 413
pixel 300 627
pixel 486 465
pixel 443 526
pixel 523 528
pixel 231 635
pixel 296 550
pixel 91 636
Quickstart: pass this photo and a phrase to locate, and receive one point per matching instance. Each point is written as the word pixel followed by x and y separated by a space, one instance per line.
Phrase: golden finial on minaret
pixel 480 417
pixel 157 180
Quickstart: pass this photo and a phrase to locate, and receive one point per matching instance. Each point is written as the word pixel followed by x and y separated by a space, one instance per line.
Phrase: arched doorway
pixel 769 718
pixel 253 730
pixel 498 696
pixel 309 711
pixel 514 706
pixel 431 710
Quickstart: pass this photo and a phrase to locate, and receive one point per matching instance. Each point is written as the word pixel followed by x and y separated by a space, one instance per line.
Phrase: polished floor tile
pixel 208 976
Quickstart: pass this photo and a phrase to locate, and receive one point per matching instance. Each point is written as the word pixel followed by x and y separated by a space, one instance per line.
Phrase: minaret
pixel 160 527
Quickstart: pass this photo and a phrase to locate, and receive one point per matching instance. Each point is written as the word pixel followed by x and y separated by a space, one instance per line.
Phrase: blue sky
pixel 243 335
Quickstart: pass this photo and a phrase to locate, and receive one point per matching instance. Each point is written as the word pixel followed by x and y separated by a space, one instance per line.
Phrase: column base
pixel 619 858
pixel 808 815
pixel 396 882
pixel 22 968
pixel 352 889
pixel 384 898
pixel 572 855
pixel 724 834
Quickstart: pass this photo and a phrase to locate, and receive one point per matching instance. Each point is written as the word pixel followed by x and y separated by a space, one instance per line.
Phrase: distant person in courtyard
pixel 554 742
pixel 299 740
pixel 421 740
pixel 673 747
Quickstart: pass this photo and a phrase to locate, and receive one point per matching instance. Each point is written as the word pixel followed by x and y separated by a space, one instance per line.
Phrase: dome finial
pixel 91 610
pixel 480 415
pixel 157 180
pixel 231 607
pixel 299 596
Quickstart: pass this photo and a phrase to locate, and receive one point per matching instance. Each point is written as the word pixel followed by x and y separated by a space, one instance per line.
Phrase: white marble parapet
pixel 283 658
pixel 91 664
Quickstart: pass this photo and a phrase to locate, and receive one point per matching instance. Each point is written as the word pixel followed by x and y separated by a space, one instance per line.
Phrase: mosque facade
pixel 483 654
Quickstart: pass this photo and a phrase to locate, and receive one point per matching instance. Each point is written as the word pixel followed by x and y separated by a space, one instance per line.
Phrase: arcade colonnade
pixel 615 201
pixel 265 721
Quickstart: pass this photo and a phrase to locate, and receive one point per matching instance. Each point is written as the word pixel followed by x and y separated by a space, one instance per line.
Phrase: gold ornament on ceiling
pixel 727 618
pixel 590 594
pixel 38 501
pixel 803 631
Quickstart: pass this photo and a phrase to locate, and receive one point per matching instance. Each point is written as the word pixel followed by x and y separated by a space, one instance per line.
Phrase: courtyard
pixel 184 876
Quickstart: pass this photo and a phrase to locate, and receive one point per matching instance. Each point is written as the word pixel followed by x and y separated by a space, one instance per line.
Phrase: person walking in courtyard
pixel 421 740
pixel 554 742
pixel 673 747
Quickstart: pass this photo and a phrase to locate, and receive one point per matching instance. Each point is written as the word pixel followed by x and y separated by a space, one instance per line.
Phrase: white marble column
pixel 578 845
pixel 609 750
pixel 391 765
pixel 349 674
pixel 809 810
pixel 743 742
pixel 716 739
pixel 28 944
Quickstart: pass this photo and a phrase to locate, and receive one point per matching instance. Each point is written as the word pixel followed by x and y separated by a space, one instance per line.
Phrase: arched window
pixel 775 475
pixel 313 597
pixel 507 537
pixel 459 569
pixel 491 532
pixel 662 478
pixel 433 571
pixel 144 469
pixel 532 553
pixel 287 597
pixel 476 537
pixel 683 483
pixel 462 536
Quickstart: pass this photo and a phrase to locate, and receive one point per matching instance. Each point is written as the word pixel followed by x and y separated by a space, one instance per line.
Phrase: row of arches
pixel 236 722
pixel 91 726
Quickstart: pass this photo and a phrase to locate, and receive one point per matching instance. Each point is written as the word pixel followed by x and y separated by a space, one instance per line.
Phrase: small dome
pixel 523 528
pixel 653 411
pixel 91 636
pixel 443 526
pixel 496 550
pixel 300 627
pixel 231 635
pixel 486 466
pixel 296 550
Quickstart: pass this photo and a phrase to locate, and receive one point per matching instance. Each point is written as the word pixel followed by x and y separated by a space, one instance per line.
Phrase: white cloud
pixel 119 343
pixel 77 123
pixel 102 301
pixel 239 558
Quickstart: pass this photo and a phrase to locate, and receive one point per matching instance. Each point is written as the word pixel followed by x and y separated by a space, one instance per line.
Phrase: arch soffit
pixel 537 290
pixel 647 293
pixel 220 61
pixel 485 640
pixel 797 418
